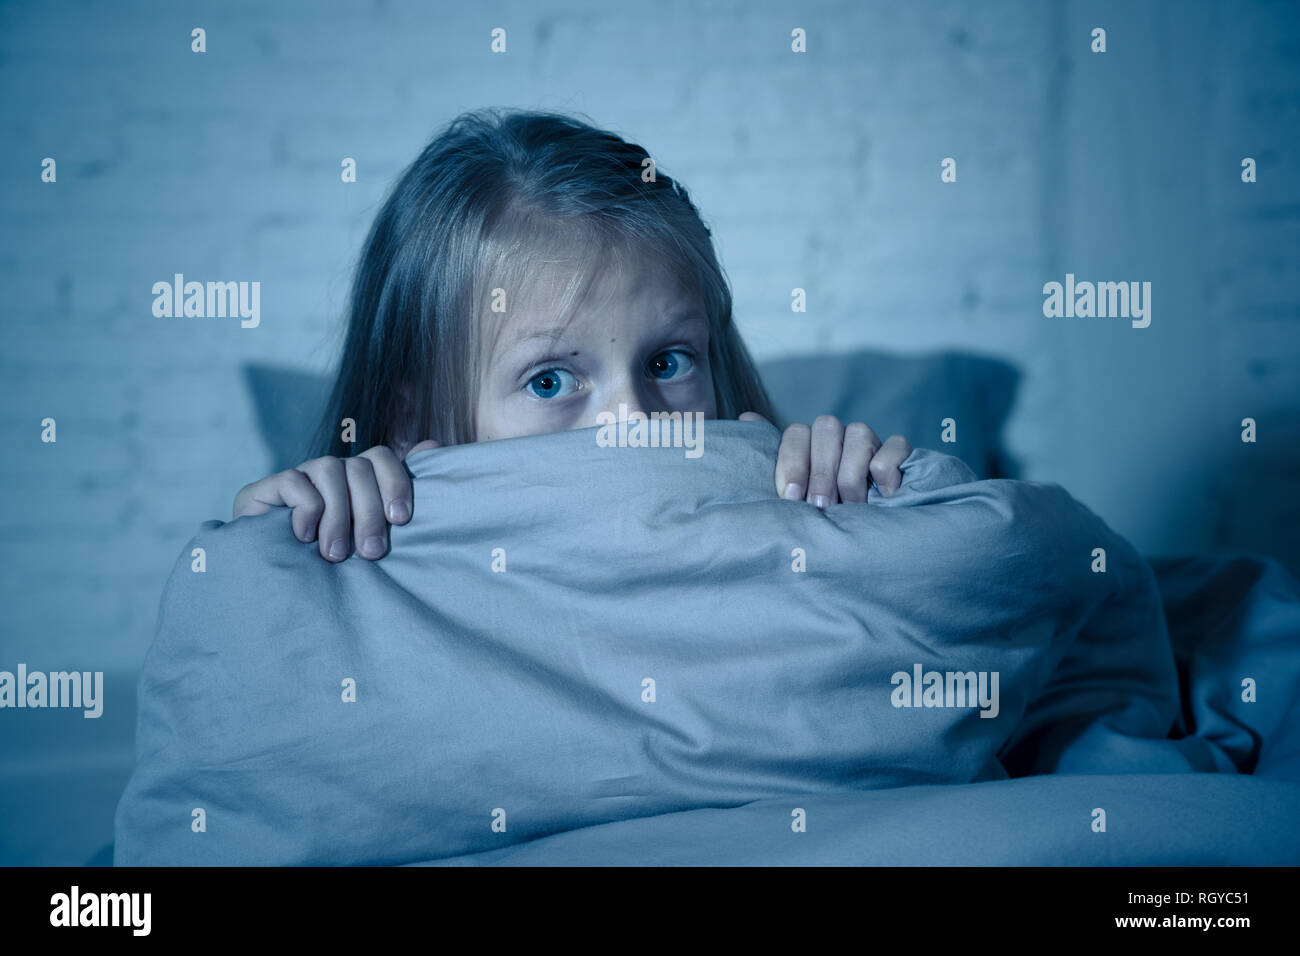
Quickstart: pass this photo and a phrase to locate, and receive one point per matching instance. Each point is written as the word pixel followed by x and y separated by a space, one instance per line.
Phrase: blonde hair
pixel 493 192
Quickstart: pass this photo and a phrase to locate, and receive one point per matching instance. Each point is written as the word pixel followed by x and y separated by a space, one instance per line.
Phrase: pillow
pixel 907 395
pixel 567 634
pixel 289 404
pixel 894 394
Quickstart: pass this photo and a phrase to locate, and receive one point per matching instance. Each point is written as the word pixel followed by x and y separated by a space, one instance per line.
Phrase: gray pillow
pixel 907 395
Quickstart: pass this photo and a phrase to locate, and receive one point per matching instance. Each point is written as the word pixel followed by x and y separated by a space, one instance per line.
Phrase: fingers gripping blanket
pixel 567 634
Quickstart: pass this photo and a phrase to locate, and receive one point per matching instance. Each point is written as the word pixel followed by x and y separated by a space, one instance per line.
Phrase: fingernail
pixel 793 492
pixel 398 511
pixel 372 547
pixel 338 551
pixel 819 501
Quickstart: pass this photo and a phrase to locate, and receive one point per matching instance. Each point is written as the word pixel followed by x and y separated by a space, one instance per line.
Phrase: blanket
pixel 571 640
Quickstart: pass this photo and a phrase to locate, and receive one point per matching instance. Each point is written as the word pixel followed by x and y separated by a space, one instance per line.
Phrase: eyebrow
pixel 675 321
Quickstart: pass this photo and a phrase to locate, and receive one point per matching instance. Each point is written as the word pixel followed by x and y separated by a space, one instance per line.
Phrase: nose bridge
pixel 634 392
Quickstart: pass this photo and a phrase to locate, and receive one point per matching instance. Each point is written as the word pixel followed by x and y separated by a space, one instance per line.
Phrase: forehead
pixel 564 295
pixel 628 281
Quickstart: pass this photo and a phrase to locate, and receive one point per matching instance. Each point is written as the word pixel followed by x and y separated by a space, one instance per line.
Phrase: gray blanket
pixel 567 635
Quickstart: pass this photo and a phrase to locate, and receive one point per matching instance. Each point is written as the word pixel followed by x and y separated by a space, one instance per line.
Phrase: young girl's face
pixel 637 340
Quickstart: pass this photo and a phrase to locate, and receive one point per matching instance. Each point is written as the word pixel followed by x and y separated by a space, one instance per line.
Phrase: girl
pixel 521 277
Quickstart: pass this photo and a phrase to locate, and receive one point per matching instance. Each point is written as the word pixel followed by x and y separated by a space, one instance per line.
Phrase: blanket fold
pixel 566 635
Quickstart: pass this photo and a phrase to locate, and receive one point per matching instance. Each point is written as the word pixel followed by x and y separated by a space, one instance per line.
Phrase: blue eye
pixel 667 364
pixel 547 384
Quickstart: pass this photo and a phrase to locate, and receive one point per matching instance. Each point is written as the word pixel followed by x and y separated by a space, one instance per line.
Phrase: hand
pixel 828 463
pixel 347 499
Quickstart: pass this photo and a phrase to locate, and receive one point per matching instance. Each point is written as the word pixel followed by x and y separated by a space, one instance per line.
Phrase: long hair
pixel 494 192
